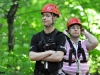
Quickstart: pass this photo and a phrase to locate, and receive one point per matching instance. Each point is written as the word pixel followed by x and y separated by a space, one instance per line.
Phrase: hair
pixel 75 24
pixel 55 15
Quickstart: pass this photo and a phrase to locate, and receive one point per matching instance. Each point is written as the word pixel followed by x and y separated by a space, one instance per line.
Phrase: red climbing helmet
pixel 73 21
pixel 51 8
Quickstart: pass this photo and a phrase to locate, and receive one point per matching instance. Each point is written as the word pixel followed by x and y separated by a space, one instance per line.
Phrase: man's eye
pixel 73 27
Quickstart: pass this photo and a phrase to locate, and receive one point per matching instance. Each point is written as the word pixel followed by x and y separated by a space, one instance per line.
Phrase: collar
pixel 74 43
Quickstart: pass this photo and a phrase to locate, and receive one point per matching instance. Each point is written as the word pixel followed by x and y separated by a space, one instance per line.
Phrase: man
pixel 47 47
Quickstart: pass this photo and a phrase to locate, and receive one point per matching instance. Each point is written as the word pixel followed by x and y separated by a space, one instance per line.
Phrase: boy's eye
pixel 75 27
pixel 45 16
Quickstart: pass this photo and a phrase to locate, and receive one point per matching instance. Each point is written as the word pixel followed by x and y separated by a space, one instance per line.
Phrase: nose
pixel 44 17
pixel 75 28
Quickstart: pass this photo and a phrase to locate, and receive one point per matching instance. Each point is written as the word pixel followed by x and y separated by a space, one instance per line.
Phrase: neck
pixel 48 30
pixel 74 39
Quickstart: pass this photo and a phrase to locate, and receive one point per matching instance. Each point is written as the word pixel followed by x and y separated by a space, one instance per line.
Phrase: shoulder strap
pixel 70 43
pixel 42 36
pixel 81 50
pixel 72 50
pixel 41 42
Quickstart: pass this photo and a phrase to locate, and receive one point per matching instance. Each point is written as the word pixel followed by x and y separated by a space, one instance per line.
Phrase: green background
pixel 27 22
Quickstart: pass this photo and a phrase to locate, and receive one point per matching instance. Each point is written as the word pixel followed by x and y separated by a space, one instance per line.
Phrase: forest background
pixel 21 19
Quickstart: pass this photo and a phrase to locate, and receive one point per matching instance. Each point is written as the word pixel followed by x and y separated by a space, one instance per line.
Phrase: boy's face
pixel 47 19
pixel 75 30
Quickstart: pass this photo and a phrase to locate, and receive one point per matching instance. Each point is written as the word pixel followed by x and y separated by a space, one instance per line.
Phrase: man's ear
pixel 55 18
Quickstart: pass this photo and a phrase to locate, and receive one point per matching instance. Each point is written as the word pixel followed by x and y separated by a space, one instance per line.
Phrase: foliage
pixel 27 22
pixel 15 64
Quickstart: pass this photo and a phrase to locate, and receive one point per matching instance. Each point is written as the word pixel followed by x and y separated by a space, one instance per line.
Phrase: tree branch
pixel 13 9
pixel 3 9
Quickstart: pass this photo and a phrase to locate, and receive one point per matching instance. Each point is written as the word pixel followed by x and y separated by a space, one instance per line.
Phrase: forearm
pixel 38 56
pixel 92 39
pixel 56 57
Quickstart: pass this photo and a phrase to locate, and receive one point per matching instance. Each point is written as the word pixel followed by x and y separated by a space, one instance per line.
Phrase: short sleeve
pixel 61 40
pixel 34 43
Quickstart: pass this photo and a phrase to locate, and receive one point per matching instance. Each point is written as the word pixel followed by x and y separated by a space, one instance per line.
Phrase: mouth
pixel 44 21
pixel 75 33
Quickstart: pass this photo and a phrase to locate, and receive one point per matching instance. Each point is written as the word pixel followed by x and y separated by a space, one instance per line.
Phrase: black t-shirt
pixel 59 45
pixel 60 40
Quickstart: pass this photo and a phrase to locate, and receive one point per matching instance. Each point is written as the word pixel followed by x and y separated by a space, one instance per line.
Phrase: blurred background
pixel 21 19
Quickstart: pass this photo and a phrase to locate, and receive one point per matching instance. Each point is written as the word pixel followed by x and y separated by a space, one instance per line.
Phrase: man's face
pixel 47 19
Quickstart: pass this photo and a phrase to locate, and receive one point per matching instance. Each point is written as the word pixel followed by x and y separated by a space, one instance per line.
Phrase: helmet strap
pixel 52 19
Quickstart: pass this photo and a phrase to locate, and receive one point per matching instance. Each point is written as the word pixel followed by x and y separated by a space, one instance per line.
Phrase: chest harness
pixel 72 50
pixel 80 51
pixel 45 45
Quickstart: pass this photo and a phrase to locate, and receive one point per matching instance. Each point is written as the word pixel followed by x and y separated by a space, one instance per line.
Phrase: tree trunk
pixel 10 20
pixel 10 34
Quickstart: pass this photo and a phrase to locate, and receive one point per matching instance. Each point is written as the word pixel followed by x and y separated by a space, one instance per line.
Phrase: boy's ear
pixel 55 18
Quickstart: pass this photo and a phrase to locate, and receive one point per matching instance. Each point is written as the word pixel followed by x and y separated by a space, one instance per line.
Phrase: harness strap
pixel 44 45
pixel 81 50
pixel 73 61
pixel 50 40
pixel 72 51
pixel 76 73
pixel 42 36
